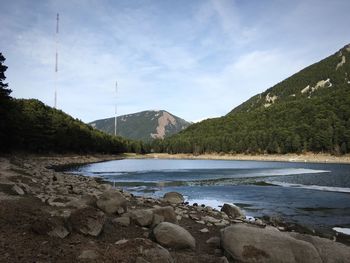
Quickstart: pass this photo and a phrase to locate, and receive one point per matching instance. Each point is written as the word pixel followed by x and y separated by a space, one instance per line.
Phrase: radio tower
pixel 56 61
pixel 115 118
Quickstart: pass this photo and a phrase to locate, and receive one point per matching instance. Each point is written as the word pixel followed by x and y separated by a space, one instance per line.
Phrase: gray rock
pixel 124 220
pixel 167 213
pixel 18 190
pixel 88 254
pixel 204 230
pixel 84 201
pixel 121 241
pixel 223 260
pixel 145 249
pixel 214 242
pixel 174 198
pixel 88 221
pixel 158 254
pixel 232 211
pixel 52 226
pixel 173 236
pixel 329 251
pixel 110 201
pixel 142 217
pixel 59 231
pixel 248 243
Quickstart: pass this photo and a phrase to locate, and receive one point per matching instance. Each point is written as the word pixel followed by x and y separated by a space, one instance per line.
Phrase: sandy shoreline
pixel 309 157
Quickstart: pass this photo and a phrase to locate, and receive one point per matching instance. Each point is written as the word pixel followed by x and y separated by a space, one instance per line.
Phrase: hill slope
pixel 145 125
pixel 35 127
pixel 309 111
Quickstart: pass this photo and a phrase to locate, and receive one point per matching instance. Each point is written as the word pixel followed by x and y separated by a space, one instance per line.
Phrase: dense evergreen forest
pixel 32 126
pixel 309 111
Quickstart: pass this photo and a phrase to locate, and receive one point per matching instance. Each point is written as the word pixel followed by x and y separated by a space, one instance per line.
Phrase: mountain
pixel 145 125
pixel 309 111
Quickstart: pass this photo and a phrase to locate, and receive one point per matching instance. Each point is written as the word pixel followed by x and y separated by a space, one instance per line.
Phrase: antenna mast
pixel 56 61
pixel 115 119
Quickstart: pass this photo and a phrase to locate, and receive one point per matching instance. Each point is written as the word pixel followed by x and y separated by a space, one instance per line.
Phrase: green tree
pixel 5 108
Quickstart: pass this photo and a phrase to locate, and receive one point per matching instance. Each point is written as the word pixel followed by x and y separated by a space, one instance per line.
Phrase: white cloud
pixel 197 63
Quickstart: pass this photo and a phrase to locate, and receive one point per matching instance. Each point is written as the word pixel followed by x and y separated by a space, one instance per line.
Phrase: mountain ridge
pixel 309 111
pixel 144 125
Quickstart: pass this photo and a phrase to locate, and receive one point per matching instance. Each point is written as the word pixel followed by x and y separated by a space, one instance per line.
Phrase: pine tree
pixel 4 90
pixel 5 107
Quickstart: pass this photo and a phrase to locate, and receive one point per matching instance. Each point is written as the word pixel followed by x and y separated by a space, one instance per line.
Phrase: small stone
pixel 59 231
pixel 214 242
pixel 121 241
pixel 124 220
pixel 88 254
pixel 141 260
pixel 18 190
pixel 218 252
pixel 223 260
pixel 204 230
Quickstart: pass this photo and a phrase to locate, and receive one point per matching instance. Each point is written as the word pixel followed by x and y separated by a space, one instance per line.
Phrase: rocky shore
pixel 50 216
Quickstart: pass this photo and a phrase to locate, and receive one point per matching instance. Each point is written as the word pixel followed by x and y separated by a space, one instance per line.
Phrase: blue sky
pixel 195 59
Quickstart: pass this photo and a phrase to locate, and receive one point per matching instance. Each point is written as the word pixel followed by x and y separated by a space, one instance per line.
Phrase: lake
pixel 310 194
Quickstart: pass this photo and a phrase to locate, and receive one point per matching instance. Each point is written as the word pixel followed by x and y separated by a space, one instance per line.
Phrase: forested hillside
pixel 309 111
pixel 32 126
pixel 145 125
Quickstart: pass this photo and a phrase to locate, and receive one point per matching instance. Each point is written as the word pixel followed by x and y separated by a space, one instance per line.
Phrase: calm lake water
pixel 314 195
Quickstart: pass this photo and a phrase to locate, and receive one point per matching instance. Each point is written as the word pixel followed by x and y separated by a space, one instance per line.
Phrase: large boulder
pixel 329 251
pixel 142 217
pixel 173 236
pixel 112 201
pixel 174 198
pixel 88 221
pixel 246 243
pixel 232 211
pixel 165 214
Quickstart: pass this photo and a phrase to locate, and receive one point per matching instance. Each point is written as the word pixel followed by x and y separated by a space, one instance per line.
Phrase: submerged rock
pixel 173 236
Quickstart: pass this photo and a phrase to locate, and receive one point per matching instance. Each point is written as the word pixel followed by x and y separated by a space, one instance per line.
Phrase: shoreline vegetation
pixel 307 157
pixel 49 215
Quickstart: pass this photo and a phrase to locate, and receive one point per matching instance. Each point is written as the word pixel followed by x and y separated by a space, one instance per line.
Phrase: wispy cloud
pixel 197 59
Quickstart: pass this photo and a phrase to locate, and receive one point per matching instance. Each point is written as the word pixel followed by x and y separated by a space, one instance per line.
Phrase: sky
pixel 196 59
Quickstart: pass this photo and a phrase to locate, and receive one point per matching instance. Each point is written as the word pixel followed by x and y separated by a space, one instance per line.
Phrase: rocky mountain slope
pixel 308 111
pixel 145 125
